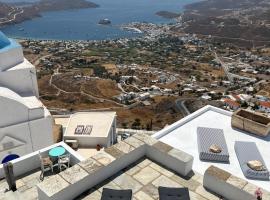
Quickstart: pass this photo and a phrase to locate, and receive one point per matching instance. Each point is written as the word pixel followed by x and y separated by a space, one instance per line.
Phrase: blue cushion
pixel 247 151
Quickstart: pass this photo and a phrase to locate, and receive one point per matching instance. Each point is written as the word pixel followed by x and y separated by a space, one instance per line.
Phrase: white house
pixel 85 131
pixel 144 96
pixel 25 124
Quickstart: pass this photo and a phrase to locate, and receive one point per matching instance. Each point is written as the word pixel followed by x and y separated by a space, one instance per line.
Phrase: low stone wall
pixel 229 186
pixel 251 122
pixel 74 181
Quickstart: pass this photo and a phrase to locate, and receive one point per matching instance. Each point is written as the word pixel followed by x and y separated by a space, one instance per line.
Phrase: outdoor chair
pixel 166 193
pixel 46 165
pixel 110 194
pixel 209 137
pixel 246 152
pixel 64 161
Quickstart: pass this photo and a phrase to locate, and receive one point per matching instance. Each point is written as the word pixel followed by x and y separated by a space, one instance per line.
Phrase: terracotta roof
pixel 231 102
pixel 265 104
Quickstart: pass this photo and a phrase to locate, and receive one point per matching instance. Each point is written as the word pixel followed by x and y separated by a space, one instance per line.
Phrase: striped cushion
pixel 207 137
pixel 247 151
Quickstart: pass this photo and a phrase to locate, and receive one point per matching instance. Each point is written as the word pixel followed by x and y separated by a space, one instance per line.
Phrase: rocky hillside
pixel 4 9
pixel 10 14
pixel 242 22
pixel 53 5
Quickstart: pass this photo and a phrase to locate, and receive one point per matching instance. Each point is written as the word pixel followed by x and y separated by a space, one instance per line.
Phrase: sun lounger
pixel 166 193
pixel 110 194
pixel 248 151
pixel 207 137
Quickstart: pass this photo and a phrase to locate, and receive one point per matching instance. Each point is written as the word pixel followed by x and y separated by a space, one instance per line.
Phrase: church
pixel 25 123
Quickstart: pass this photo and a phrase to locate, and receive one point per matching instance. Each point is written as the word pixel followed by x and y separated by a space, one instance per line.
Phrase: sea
pixel 82 24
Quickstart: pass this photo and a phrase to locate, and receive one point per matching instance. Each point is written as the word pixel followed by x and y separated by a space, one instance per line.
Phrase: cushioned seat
pixel 166 193
pixel 248 151
pixel 207 137
pixel 110 194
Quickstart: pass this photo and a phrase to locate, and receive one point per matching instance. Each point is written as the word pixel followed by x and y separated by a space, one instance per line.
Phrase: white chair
pixel 64 161
pixel 45 164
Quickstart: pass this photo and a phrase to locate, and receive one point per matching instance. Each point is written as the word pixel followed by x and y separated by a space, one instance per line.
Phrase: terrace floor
pixel 26 186
pixel 144 177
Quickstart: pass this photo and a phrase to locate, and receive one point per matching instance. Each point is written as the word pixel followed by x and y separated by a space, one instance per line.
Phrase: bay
pixel 82 24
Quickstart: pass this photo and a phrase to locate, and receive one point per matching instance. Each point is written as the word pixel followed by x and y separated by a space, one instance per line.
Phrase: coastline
pixel 115 34
pixel 36 9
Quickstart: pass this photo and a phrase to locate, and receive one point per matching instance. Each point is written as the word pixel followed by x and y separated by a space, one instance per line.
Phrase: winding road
pixel 13 18
pixel 180 105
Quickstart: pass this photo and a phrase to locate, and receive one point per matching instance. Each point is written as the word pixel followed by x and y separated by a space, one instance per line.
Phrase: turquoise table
pixel 57 151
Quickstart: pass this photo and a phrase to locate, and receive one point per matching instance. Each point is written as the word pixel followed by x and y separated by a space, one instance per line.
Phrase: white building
pixel 86 130
pixel 25 124
pixel 144 96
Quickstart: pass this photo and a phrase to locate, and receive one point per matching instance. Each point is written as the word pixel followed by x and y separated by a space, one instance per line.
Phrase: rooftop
pixel 100 123
pixel 128 165
pixel 182 134
pixel 140 163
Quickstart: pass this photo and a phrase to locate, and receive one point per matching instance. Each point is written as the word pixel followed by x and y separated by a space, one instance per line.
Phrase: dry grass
pixel 111 68
pixel 161 112
pixel 101 88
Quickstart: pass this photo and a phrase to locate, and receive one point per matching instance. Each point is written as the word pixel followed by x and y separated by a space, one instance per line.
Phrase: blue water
pixel 82 24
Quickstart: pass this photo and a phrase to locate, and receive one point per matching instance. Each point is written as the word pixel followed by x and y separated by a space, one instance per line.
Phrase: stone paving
pixel 144 177
pixel 26 187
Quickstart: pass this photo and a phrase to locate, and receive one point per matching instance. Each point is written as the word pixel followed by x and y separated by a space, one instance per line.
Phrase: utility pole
pixel 9 174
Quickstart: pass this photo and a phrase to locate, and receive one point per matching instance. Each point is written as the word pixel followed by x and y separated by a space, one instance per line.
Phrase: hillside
pixel 4 10
pixel 54 5
pixel 242 22
pixel 10 14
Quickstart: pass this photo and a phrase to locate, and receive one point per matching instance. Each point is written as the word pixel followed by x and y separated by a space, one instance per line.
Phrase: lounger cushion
pixel 166 193
pixel 207 137
pixel 110 194
pixel 247 151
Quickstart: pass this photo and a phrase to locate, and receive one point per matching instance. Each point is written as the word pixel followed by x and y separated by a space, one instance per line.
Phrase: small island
pixel 168 15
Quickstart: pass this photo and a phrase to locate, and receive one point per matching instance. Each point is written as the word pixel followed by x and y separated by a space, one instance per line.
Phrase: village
pixel 139 73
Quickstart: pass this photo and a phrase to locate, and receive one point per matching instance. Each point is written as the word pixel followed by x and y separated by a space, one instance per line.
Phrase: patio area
pixel 144 177
pixel 26 184
pixel 27 171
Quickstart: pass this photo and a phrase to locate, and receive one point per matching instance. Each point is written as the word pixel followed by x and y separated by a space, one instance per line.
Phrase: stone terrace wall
pixel 229 186
pixel 86 174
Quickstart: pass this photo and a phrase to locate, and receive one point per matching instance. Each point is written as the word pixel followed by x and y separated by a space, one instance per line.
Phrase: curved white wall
pixel 10 57
pixel 12 112
pixel 22 79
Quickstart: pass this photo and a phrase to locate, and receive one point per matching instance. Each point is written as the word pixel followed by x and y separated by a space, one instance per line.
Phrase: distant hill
pixel 241 22
pixel 10 13
pixel 4 9
pixel 53 5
